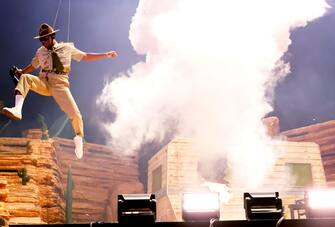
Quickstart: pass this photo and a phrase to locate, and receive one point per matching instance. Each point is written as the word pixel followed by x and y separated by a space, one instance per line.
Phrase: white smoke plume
pixel 209 65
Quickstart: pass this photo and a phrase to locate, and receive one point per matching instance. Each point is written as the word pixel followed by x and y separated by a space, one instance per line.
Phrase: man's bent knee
pixel 24 77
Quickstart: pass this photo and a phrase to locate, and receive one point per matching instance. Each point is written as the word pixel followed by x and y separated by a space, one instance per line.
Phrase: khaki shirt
pixel 65 52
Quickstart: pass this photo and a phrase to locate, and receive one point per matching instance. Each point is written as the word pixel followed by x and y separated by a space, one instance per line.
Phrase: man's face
pixel 47 41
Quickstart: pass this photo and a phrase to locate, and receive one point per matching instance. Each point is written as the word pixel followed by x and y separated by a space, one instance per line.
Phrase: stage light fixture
pixel 136 208
pixel 200 206
pixel 263 205
pixel 320 203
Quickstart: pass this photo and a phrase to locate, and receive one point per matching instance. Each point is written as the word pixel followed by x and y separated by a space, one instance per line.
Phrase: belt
pixel 54 71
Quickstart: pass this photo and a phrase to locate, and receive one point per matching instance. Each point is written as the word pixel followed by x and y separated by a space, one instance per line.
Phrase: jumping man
pixel 54 59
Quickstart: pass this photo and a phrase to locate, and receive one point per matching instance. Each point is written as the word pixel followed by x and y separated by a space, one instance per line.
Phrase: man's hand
pixel 15 74
pixel 19 72
pixel 111 54
pixel 14 71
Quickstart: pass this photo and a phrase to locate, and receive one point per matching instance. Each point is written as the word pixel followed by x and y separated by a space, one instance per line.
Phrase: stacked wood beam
pixel 4 214
pixel 34 133
pixel 324 135
pixel 96 178
pixel 41 200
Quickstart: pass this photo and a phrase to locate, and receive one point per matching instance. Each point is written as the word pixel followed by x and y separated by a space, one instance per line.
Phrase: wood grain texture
pixel 324 135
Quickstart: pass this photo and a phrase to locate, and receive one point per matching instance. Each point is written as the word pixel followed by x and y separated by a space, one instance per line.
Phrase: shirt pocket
pixel 45 61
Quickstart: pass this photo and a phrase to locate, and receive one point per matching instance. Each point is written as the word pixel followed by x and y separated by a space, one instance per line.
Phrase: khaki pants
pixel 58 87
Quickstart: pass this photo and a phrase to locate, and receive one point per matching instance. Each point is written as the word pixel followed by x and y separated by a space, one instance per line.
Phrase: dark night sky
pixel 305 97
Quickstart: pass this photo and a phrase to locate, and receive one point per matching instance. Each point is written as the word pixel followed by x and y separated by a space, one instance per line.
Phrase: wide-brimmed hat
pixel 45 30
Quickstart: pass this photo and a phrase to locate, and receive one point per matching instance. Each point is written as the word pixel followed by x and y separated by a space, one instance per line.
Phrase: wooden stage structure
pixel 103 174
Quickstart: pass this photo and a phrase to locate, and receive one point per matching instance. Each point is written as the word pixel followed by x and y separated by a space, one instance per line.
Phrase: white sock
pixel 19 102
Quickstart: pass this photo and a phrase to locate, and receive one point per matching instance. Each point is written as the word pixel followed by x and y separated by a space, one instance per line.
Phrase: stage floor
pixel 258 223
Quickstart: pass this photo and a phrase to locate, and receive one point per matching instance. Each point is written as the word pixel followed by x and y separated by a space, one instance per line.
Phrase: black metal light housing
pixel 263 205
pixel 136 208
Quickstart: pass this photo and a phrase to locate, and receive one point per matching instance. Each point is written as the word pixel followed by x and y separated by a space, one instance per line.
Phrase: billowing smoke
pixel 209 72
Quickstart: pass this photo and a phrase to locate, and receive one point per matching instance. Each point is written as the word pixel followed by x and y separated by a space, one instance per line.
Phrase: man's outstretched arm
pixel 98 56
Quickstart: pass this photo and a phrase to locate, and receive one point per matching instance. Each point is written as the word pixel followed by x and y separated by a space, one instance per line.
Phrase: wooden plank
pixel 25 220
pixel 317 135
pixel 310 128
pixel 14 141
